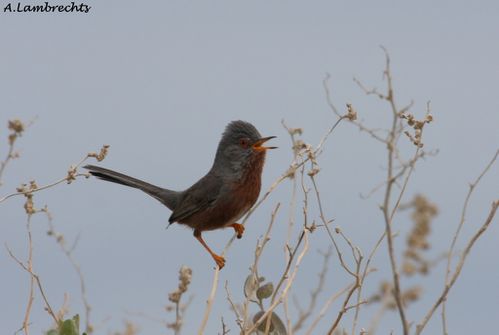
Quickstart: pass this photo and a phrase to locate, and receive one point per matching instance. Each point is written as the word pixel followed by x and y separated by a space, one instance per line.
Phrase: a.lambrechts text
pixel 47 8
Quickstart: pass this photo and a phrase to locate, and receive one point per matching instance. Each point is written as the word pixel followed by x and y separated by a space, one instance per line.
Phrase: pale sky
pixel 159 82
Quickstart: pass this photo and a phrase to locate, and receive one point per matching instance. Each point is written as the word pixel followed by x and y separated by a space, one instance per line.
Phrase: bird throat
pixel 252 175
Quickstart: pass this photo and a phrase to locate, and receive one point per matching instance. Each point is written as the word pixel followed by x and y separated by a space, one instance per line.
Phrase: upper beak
pixel 258 144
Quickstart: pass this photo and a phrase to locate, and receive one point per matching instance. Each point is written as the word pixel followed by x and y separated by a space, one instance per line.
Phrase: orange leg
pixel 239 228
pixel 218 259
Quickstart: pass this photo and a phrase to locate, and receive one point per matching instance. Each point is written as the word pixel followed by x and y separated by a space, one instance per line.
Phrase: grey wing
pixel 198 197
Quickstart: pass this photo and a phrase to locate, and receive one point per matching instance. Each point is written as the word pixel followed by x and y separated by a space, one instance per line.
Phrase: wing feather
pixel 198 197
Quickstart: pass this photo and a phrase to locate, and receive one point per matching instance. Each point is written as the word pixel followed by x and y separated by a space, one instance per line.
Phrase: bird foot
pixel 219 260
pixel 239 228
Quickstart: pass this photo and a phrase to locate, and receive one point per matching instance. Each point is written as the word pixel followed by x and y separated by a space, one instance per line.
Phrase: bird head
pixel 241 144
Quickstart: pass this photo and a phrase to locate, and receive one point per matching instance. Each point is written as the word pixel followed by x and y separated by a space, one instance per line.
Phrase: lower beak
pixel 258 144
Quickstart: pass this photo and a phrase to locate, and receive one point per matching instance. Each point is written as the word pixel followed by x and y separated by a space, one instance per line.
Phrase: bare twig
pixel 362 278
pixel 402 171
pixel 38 282
pixel 304 314
pixel 459 267
pixel 326 306
pixel 450 253
pixel 70 177
pixel 8 158
pixel 359 125
pixel 347 308
pixel 68 252
pixel 225 330
pixel 405 171
pixel 260 246
pixel 26 322
pixel 326 225
pixel 379 314
pixel 17 128
pixel 395 130
pixel 351 291
pixel 209 302
pixel 410 165
pixel 284 277
pixel 325 84
pixel 296 146
pixel 239 319
pixel 286 288
pixel 288 265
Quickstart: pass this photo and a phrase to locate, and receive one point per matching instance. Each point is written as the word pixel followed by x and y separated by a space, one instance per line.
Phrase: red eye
pixel 244 142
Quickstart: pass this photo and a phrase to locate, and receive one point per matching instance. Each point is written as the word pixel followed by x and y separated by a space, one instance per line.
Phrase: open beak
pixel 258 144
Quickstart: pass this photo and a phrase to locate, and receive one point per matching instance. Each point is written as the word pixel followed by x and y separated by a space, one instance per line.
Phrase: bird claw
pixel 239 228
pixel 219 260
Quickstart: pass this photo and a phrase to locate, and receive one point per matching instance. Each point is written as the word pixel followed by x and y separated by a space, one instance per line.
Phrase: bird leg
pixel 218 259
pixel 239 228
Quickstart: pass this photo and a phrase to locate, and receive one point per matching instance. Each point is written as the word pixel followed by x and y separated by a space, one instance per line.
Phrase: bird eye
pixel 244 142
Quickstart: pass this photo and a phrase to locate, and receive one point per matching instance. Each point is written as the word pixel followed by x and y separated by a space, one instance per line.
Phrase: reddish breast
pixel 244 195
pixel 248 188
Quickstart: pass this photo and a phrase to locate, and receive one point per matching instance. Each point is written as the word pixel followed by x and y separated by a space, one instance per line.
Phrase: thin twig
pixel 284 276
pixel 402 170
pixel 362 278
pixel 347 298
pixel 288 265
pixel 314 295
pixel 8 158
pixel 38 282
pixel 71 175
pixel 359 125
pixel 225 330
pixel 325 84
pixel 373 325
pixel 68 252
pixel 286 288
pixel 31 279
pixel 326 225
pixel 391 144
pixel 292 207
pixel 258 252
pixel 239 320
pixel 209 302
pixel 450 253
pixel 17 128
pixel 326 307
pixel 459 267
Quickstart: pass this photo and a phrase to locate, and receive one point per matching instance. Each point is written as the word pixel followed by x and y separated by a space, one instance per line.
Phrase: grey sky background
pixel 159 81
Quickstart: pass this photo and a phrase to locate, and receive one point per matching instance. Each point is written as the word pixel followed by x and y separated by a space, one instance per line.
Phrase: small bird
pixel 220 198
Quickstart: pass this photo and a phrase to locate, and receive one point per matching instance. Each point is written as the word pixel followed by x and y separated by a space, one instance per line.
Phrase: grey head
pixel 241 143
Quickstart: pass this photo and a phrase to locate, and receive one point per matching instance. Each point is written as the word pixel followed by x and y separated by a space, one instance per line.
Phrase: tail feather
pixel 167 197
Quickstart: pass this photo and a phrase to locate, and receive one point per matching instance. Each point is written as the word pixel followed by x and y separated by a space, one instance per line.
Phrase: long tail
pixel 167 197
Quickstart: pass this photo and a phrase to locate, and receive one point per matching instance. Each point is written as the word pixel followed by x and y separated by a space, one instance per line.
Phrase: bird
pixel 222 196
